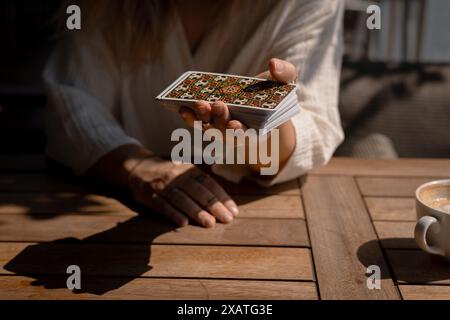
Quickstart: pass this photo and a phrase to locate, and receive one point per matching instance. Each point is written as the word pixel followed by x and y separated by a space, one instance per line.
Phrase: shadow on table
pixel 57 193
pixel 109 259
pixel 407 263
pixel 100 255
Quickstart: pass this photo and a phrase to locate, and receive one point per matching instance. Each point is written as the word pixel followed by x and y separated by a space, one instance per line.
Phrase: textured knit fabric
pixel 94 108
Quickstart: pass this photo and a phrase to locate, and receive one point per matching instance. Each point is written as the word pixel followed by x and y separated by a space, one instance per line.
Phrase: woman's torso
pixel 226 49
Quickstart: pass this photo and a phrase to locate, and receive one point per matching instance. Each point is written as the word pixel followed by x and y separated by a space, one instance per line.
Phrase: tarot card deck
pixel 258 103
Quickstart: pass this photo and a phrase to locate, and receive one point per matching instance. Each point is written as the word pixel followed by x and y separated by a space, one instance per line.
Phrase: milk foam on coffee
pixel 437 197
pixel 441 204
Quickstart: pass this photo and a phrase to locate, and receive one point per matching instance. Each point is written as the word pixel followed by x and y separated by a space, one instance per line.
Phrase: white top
pixel 94 109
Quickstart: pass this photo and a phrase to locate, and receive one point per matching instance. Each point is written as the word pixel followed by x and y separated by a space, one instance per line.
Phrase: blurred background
pixel 395 84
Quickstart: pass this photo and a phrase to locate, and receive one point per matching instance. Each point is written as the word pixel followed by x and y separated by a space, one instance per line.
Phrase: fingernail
pixel 232 206
pixel 235 125
pixel 279 66
pixel 209 221
pixel 183 223
pixel 234 210
pixel 228 218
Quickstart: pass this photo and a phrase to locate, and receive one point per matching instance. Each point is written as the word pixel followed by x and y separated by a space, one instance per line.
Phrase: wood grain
pixel 142 229
pixel 396 234
pixel 379 167
pixel 337 166
pixel 393 209
pixel 251 206
pixel 270 206
pixel 42 182
pixel 34 167
pixel 59 202
pixel 157 261
pixel 343 240
pixel 418 267
pixel 290 188
pixel 390 187
pixel 125 255
pixel 20 288
pixel 425 292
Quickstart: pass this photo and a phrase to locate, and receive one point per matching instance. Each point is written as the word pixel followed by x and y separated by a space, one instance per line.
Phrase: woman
pixel 102 118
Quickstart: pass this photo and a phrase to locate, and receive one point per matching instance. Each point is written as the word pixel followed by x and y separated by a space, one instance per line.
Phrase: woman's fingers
pixel 206 199
pixel 265 75
pixel 185 204
pixel 188 116
pixel 217 115
pixel 282 71
pixel 220 114
pixel 236 125
pixel 160 205
pixel 211 185
pixel 202 111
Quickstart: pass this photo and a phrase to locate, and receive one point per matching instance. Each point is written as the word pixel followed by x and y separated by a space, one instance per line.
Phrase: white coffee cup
pixel 432 232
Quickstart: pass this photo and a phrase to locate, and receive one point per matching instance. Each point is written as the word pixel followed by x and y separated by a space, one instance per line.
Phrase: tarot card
pixel 237 91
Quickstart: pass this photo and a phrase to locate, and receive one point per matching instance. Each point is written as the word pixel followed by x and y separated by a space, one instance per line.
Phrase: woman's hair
pixel 134 29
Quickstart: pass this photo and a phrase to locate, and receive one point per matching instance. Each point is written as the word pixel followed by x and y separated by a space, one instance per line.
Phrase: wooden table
pixel 308 239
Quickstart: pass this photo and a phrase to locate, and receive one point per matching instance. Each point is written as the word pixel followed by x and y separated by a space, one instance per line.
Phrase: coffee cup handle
pixel 420 233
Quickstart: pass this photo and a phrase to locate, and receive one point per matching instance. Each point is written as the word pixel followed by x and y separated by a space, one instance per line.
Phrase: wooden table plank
pixel 339 226
pixel 337 166
pixel 425 292
pixel 290 188
pixel 41 182
pixel 418 267
pixel 391 209
pixel 396 234
pixel 380 167
pixel 57 202
pixel 185 261
pixel 141 229
pixel 390 187
pixel 15 287
pixel 32 168
pixel 268 241
pixel 272 206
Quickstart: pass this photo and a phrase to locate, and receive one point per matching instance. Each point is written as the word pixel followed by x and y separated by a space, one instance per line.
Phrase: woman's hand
pixel 217 114
pixel 181 192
